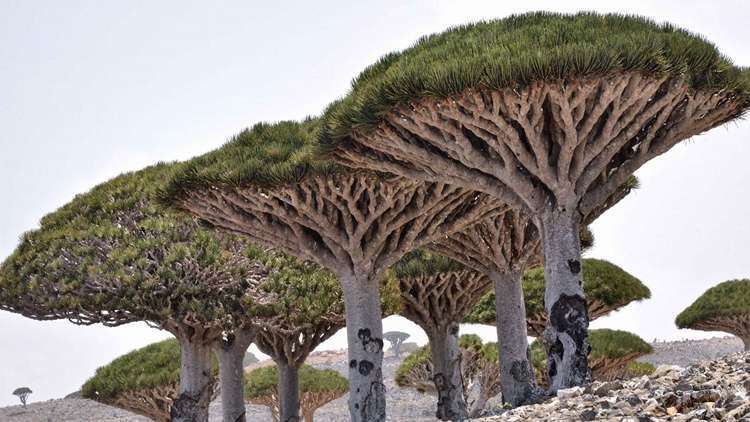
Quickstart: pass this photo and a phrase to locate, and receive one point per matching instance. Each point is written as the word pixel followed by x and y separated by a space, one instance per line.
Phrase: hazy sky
pixel 89 89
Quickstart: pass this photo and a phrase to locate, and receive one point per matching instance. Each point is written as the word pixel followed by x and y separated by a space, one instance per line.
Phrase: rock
pixel 588 415
pixel 605 388
pixel 671 410
pixel 567 393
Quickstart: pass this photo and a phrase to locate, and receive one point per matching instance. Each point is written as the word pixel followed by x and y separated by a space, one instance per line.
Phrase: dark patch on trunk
pixel 188 407
pixel 369 344
pixel 353 363
pixel 365 367
pixel 574 265
pixel 292 419
pixel 373 405
pixel 569 315
pixel 520 371
pixel 454 330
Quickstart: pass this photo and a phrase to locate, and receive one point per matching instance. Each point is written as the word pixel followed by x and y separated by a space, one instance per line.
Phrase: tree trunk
pixel 364 330
pixel 746 342
pixel 288 392
pixel 566 334
pixel 309 416
pixel 479 404
pixel 196 383
pixel 446 374
pixel 516 373
pixel 231 352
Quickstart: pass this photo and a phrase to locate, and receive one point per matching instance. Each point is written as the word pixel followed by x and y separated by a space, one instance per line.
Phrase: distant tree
pixel 437 294
pixel 144 381
pixel 608 288
pixel 724 307
pixel 396 338
pixel 612 353
pixel 316 388
pixel 112 256
pixel 479 369
pixel 249 359
pixel 22 393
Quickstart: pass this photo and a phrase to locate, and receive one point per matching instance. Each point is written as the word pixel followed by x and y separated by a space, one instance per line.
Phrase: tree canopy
pixel 608 287
pixel 143 381
pixel 111 255
pixel 728 299
pixel 520 49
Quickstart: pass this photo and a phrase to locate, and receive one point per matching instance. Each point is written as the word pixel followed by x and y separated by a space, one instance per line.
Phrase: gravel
pixel 403 404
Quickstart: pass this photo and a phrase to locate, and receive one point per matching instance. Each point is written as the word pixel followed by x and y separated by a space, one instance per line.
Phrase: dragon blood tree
pixel 111 256
pixel 608 288
pixel 396 338
pixel 612 353
pixel 437 294
pixel 316 388
pixel 144 381
pixel 479 370
pixel 724 307
pixel 309 310
pixel 549 113
pixel 268 184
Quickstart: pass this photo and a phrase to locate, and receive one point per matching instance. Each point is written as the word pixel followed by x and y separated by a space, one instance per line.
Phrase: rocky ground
pixel 709 390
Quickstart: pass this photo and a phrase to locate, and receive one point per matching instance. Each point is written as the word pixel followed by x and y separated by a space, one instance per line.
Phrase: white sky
pixel 90 89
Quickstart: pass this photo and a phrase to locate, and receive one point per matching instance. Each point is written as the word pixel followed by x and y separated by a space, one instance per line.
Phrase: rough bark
pixel 566 334
pixel 364 329
pixel 196 382
pixel 516 373
pixel 231 351
pixel 738 325
pixel 746 342
pixel 449 382
pixel 289 407
pixel 311 401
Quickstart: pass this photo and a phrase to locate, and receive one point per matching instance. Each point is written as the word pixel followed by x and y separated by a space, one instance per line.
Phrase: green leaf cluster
pixel 262 382
pixel 152 366
pixel 520 49
pixel 727 299
pixel 268 154
pixel 602 281
pixel 423 263
pixel 422 356
pixel 114 251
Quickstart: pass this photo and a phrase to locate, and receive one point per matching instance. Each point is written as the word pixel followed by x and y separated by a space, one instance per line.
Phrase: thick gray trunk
pixel 479 404
pixel 746 342
pixel 231 352
pixel 566 334
pixel 516 373
pixel 196 383
pixel 364 330
pixel 446 374
pixel 288 392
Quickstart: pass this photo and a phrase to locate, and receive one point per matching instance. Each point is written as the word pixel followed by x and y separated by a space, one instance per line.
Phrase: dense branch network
pixel 573 141
pixel 352 220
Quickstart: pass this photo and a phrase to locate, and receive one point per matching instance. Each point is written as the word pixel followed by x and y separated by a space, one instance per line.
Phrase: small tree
pixel 612 353
pixel 437 293
pixel 724 307
pixel 479 370
pixel 316 388
pixel 144 381
pixel 608 288
pixel 396 338
pixel 22 393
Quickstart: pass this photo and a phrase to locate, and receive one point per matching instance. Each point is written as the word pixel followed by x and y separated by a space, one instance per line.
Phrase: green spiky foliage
pixel 639 369
pixel 112 256
pixel 422 356
pixel 612 351
pixel 317 387
pixel 268 154
pixel 143 381
pixel 479 366
pixel 422 263
pixel 726 300
pixel 520 49
pixel 608 288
